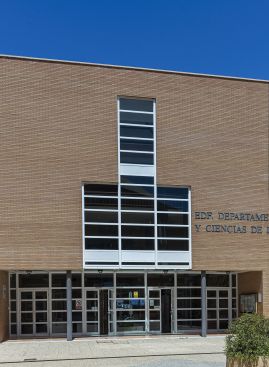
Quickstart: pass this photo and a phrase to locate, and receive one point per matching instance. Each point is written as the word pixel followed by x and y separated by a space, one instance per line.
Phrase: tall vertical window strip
pixel 136 128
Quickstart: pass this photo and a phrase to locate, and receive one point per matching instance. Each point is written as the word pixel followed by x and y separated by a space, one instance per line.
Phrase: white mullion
pixel 135 138
pixel 135 125
pixel 133 111
pixel 155 186
pixel 101 210
pixel 119 191
pixel 139 185
pixel 136 151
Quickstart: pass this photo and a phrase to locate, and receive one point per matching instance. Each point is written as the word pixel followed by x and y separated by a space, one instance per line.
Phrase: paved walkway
pixel 127 351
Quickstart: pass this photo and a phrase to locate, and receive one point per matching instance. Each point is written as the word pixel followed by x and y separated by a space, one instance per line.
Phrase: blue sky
pixel 226 37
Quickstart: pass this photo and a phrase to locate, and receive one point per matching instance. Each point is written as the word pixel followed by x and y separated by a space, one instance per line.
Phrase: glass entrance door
pixel 160 310
pixel 33 312
pixel 217 309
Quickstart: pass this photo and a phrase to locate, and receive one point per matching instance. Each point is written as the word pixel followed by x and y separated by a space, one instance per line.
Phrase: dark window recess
pixel 173 232
pixel 100 230
pixel 100 189
pixel 217 280
pixel 137 244
pixel 188 303
pixel 137 191
pixel 58 293
pixel 130 280
pixel 101 203
pixel 137 180
pixel 167 218
pixel 188 292
pixel 136 145
pixel 136 118
pixel 189 314
pixel 101 244
pixel 136 104
pixel 98 280
pixel 172 206
pixel 188 280
pixel 136 132
pixel 173 245
pixel 12 280
pixel 101 217
pixel 160 280
pixel 142 218
pixel 136 204
pixel 140 231
pixel 172 192
pixel 58 280
pixel 130 315
pixel 136 158
pixel 33 280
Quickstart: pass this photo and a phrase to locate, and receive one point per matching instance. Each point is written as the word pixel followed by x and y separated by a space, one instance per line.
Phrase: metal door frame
pixel 218 289
pixel 172 308
pixel 34 311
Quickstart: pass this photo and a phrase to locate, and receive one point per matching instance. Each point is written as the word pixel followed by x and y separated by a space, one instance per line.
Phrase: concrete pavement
pixel 147 351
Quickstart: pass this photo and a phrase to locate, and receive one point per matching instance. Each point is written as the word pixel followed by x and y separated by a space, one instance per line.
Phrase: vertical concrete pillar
pixel 4 314
pixel 69 335
pixel 204 304
pixel 230 300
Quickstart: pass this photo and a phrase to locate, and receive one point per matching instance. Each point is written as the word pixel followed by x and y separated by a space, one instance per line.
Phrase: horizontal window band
pixel 135 125
pixel 101 263
pixel 138 263
pixel 136 104
pixel 173 263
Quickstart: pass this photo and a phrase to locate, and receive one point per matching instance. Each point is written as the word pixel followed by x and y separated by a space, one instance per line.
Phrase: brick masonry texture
pixel 58 126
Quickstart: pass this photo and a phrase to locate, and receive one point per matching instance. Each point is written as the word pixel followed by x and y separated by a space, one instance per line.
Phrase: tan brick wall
pixel 3 305
pixel 58 128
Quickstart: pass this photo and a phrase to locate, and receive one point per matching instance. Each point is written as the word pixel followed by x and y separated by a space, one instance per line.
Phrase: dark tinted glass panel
pixel 212 325
pixel 234 292
pixel 211 303
pixel 131 293
pixel 138 180
pixel 217 280
pixel 13 294
pixel 12 280
pixel 76 316
pixel 33 280
pixel 58 293
pixel 99 189
pixel 136 158
pixel 173 232
pixel 223 303
pixel 138 191
pixel 189 325
pixel 172 192
pixel 223 314
pixel 59 328
pixel 143 218
pixel 100 230
pixel 234 303
pixel 76 280
pixel 172 206
pixel 76 293
pixel 126 280
pixel 137 244
pixel 130 315
pixel 136 118
pixel 234 280
pixel 136 204
pixel 59 316
pixel 136 104
pixel 188 280
pixel 133 231
pixel 211 314
pixel 223 324
pixel 130 326
pixel 101 217
pixel 167 218
pixel 98 280
pixel 128 304
pixel 58 280
pixel 189 314
pixel 13 329
pixel 189 303
pixel 59 305
pixel 136 145
pixel 188 292
pixel 157 280
pixel 101 244
pixel 173 245
pixel 77 328
pixel 136 132
pixel 101 203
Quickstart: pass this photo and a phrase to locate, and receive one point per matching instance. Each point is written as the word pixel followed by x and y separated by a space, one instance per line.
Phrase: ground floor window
pixel 110 303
